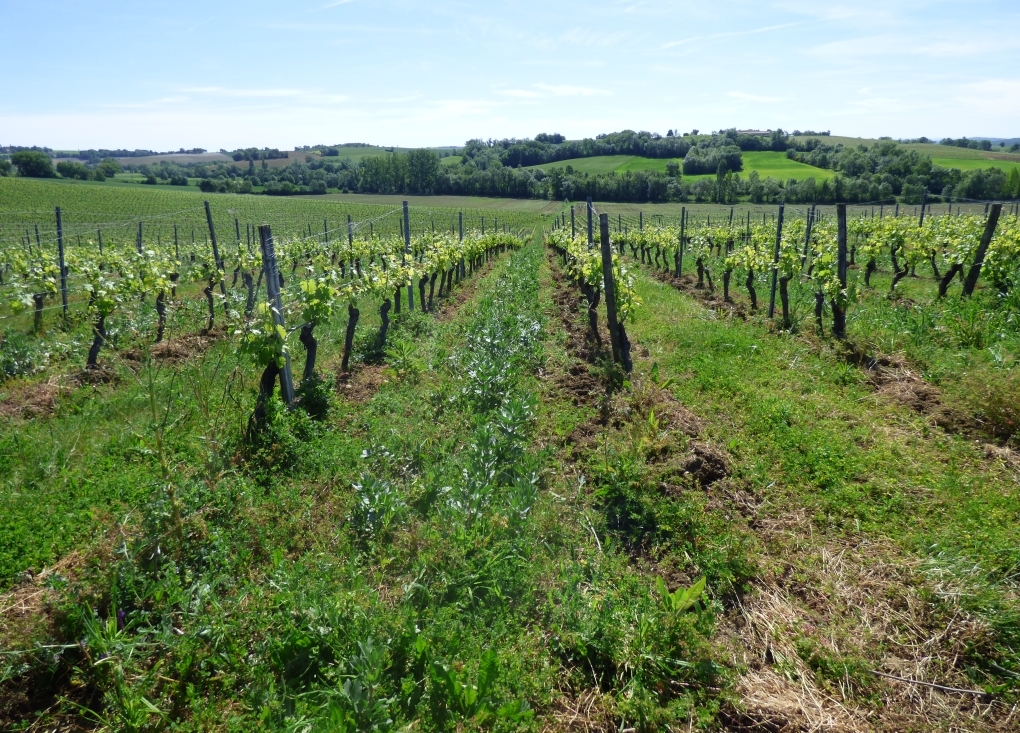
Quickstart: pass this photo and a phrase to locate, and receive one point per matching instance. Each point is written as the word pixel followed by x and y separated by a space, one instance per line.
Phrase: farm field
pixel 88 207
pixel 767 164
pixel 777 165
pixel 477 516
pixel 535 206
pixel 971 164
pixel 608 164
pixel 931 149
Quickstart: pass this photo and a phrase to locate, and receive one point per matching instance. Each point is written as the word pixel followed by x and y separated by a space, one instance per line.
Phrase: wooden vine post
pixel 138 239
pixel 621 347
pixel 460 228
pixel 591 234
pixel 979 257
pixel 683 232
pixel 216 255
pixel 573 226
pixel 775 263
pixel 275 303
pixel 60 255
pixel 838 309
pixel 807 237
pixel 407 252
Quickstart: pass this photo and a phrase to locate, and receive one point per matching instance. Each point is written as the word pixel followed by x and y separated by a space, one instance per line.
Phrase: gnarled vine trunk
pixel 311 345
pixel 432 289
pixel 948 278
pixel 869 270
pixel 161 314
pixel 267 385
pixel 208 291
pixel 352 323
pixel 749 282
pixel 784 297
pixel 98 339
pixel 384 316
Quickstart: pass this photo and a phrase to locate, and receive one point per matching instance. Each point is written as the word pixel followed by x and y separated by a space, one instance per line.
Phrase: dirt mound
pixel 32 399
pixel 360 385
pixel 173 350
pixel 706 464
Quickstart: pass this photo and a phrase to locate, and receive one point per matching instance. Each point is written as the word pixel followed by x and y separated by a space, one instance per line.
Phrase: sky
pixel 223 74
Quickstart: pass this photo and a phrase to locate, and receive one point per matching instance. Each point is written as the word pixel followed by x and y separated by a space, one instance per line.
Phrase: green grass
pixel 776 165
pixel 973 164
pixel 840 467
pixel 428 557
pixel 601 164
pixel 116 207
pixel 767 164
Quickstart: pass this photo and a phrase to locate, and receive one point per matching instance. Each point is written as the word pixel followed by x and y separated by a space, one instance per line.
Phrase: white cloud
pixel 564 90
pixel 753 97
pixel 521 93
pixel 244 93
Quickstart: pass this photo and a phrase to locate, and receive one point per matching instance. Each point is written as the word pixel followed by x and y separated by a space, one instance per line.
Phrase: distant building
pixel 755 132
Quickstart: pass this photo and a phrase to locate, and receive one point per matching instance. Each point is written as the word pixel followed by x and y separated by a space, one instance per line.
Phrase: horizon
pixel 166 75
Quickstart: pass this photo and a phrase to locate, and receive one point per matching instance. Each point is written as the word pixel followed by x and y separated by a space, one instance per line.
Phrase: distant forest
pixel 885 171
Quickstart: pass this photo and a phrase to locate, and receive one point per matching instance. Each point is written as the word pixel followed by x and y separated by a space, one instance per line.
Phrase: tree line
pixel 885 171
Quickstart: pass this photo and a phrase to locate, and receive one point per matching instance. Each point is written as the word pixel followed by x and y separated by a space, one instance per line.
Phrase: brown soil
pixel 893 379
pixel 33 399
pixel 175 350
pixel 26 615
pixel 361 384
pixel 463 291
pixel 714 300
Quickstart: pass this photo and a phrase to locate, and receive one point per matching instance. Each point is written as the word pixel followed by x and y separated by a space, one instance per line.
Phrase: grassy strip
pixel 237 596
pixel 887 542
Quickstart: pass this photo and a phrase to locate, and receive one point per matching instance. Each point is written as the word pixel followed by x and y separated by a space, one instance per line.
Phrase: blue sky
pixel 165 75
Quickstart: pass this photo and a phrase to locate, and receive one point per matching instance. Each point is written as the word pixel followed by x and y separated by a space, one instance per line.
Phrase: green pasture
pixel 601 164
pixel 973 164
pixel 776 165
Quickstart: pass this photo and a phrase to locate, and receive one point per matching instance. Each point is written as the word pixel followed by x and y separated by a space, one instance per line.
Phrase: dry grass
pixel 867 606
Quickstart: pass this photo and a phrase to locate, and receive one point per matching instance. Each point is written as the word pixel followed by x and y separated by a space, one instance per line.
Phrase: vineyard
pixel 313 465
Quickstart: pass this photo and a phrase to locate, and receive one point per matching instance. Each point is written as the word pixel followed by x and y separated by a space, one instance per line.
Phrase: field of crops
pixel 607 468
pixel 776 165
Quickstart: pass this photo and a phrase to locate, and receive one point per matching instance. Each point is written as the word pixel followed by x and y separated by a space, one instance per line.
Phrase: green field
pixel 776 165
pixel 973 164
pixel 486 524
pixel 601 164
pixel 116 208
pixel 767 164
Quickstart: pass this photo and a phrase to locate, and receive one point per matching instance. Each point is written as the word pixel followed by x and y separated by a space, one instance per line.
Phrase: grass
pixel 767 164
pixel 117 207
pixel 425 555
pixel 602 164
pixel 531 206
pixel 849 487
pixel 973 164
pixel 487 527
pixel 776 165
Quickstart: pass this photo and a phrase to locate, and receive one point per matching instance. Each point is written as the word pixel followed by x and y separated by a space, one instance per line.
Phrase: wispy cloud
pixel 732 34
pixel 753 97
pixel 244 93
pixel 565 90
pixel 521 93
